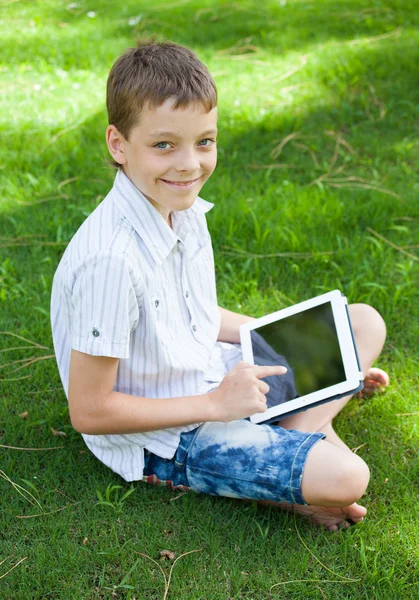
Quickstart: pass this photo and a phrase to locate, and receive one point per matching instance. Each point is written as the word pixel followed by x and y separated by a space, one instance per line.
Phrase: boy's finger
pixel 242 365
pixel 267 371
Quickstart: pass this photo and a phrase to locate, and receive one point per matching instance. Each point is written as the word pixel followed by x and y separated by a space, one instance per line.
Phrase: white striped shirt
pixel 129 286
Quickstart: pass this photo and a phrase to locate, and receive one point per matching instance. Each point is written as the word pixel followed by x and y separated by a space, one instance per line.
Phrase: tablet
pixel 314 340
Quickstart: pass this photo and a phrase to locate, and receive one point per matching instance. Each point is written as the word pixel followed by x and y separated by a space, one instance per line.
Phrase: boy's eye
pixel 162 145
pixel 206 142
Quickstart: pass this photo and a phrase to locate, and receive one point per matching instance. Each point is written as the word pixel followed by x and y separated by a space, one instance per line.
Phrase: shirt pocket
pixel 160 311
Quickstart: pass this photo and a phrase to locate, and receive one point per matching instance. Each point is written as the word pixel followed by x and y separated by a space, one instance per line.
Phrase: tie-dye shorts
pixel 238 459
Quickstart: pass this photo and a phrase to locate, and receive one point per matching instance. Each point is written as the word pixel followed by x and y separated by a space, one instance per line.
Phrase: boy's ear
pixel 116 142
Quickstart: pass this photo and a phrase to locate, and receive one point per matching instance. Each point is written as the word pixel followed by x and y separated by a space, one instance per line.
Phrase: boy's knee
pixel 352 481
pixel 333 477
pixel 367 323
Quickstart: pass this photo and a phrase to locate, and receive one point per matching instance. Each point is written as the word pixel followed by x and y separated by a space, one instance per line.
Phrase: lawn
pixel 316 188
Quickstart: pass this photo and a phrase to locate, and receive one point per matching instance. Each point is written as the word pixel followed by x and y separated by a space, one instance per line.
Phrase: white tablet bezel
pixel 346 344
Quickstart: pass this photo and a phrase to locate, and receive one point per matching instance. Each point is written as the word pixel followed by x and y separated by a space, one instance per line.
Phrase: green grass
pixel 341 75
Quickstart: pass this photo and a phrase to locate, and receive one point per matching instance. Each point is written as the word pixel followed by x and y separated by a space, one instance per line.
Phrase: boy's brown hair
pixel 149 75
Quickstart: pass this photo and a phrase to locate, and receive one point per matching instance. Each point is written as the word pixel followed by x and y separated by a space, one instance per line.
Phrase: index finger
pixel 267 371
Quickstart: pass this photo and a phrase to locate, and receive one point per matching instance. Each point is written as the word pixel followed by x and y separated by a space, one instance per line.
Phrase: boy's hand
pixel 241 393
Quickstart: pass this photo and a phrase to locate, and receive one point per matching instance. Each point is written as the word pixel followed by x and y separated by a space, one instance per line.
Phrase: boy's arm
pixel 95 408
pixel 230 325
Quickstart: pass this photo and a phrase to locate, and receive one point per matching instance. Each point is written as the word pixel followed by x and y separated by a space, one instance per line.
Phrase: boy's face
pixel 170 154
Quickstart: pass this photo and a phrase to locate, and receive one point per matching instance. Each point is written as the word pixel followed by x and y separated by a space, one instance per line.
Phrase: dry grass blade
pixel 61 133
pixel 382 108
pixel 278 149
pixel 239 47
pixel 309 581
pixel 13 244
pixel 14 378
pixel 174 4
pixel 291 71
pixel 390 243
pixel 19 489
pixel 30 449
pixel 200 12
pixel 363 14
pixel 341 577
pixel 321 591
pixel 309 150
pixel 39 201
pixel 385 36
pixel 16 347
pixel 44 391
pixel 172 567
pixel 342 140
pixel 27 361
pixel 167 580
pixel 43 514
pixel 61 196
pixel 178 496
pixel 412 414
pixel 22 237
pixel 355 450
pixel 273 166
pixel 159 566
pixel 4 559
pixel 352 178
pixel 19 337
pixel 66 182
pixel 350 182
pixel 363 186
pixel 14 566
pixel 239 252
pixel 336 151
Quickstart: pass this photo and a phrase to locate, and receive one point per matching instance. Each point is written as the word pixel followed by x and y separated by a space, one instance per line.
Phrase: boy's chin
pixel 184 203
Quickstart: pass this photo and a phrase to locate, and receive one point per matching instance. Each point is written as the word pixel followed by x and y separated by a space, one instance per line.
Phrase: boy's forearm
pixel 230 325
pixel 123 413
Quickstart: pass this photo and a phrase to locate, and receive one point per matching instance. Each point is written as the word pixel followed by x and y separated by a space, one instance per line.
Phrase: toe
pixel 378 376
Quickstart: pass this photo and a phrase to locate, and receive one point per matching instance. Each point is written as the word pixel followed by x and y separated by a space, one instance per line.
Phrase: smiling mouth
pixel 181 184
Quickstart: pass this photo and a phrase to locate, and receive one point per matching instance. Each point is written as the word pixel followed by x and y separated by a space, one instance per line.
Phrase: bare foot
pixel 332 518
pixel 374 381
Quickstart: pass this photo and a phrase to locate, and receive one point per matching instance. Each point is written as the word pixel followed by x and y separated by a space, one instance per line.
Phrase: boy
pixel 149 362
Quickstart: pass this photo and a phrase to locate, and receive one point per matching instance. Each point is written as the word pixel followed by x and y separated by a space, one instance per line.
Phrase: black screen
pixel 307 344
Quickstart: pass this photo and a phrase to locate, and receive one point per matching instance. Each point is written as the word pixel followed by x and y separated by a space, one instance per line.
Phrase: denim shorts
pixel 238 459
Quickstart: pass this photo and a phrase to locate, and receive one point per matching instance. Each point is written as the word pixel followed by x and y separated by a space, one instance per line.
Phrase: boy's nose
pixel 187 161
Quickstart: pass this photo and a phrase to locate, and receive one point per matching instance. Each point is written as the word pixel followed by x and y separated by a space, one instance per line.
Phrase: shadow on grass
pixel 378 140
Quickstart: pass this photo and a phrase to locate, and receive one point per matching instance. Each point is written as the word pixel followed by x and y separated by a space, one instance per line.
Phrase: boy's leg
pixel 274 466
pixel 333 480
pixel 370 331
pixel 346 474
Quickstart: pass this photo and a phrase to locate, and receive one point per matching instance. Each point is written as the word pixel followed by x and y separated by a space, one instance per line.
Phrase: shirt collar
pixel 148 222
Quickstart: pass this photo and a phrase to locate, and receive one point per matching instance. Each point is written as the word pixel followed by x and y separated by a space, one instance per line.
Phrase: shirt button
pixel 194 327
pixel 156 303
pixel 187 294
pixel 95 332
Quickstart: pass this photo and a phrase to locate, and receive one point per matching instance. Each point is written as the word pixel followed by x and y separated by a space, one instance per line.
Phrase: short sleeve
pixel 104 307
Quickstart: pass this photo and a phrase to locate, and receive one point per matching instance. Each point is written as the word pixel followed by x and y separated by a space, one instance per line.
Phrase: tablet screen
pixel 307 344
